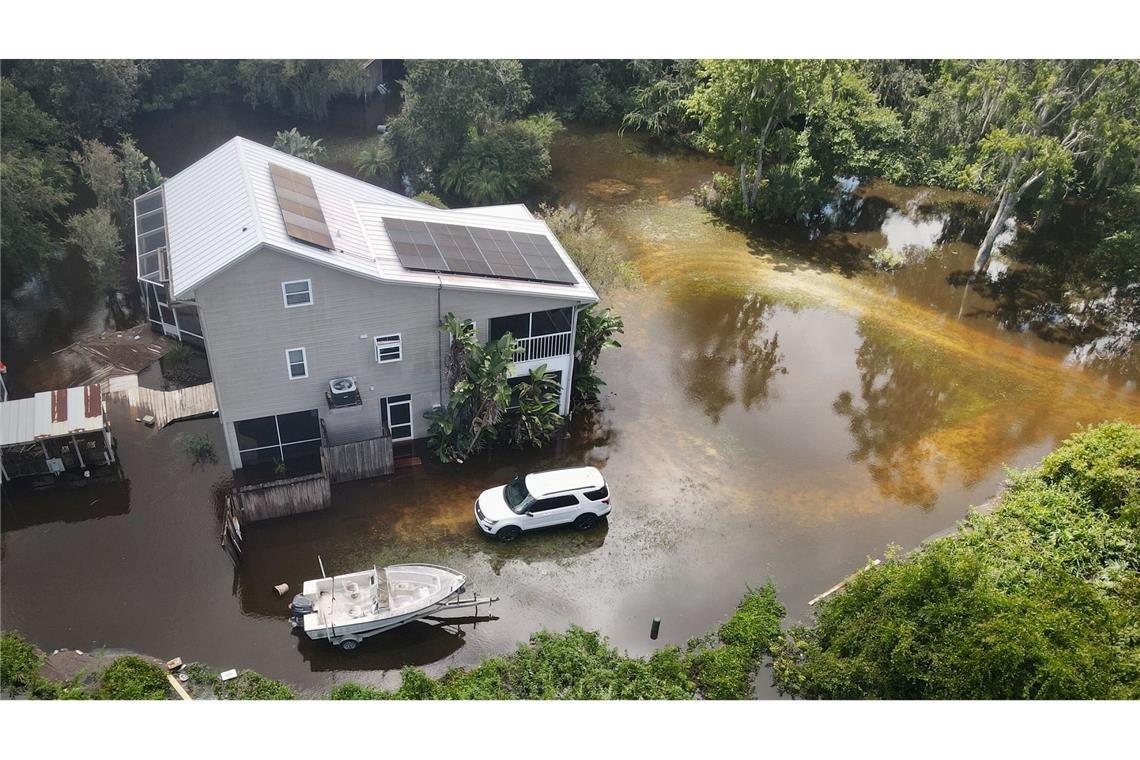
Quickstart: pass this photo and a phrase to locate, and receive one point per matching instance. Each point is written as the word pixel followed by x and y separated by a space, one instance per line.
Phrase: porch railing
pixel 543 346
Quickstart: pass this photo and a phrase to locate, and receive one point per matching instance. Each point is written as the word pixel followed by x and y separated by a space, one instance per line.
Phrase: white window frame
pixel 285 295
pixel 388 342
pixel 289 363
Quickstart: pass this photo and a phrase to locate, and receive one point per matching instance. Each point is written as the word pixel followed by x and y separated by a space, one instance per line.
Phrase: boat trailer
pixel 348 641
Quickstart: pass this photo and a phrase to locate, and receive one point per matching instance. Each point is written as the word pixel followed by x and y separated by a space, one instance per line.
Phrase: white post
pixel 78 455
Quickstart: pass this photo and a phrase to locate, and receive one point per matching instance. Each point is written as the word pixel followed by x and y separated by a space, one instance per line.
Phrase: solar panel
pixel 458 249
pixel 300 208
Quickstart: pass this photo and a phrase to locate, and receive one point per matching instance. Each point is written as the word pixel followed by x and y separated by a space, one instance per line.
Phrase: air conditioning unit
pixel 343 390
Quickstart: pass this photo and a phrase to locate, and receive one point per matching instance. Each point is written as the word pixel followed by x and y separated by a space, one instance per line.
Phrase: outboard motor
pixel 301 606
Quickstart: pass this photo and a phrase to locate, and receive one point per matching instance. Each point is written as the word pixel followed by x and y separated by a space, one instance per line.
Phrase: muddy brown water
pixel 777 410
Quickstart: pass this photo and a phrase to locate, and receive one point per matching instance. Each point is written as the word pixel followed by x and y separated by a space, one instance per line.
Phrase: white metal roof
pixel 224 207
pixel 31 419
pixel 541 484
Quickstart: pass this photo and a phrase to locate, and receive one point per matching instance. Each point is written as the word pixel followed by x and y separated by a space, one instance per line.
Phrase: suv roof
pixel 542 484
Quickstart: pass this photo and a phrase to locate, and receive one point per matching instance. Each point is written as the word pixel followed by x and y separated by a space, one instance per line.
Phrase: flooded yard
pixel 778 410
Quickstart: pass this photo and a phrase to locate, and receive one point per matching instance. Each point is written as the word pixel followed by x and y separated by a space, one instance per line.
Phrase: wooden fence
pixel 164 406
pixel 278 498
pixel 361 459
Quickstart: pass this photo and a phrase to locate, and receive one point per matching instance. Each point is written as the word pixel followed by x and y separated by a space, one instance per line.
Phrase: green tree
pixel 1028 132
pixel 90 97
pixel 173 83
pixel 116 177
pixel 446 102
pixel 36 181
pixel 501 164
pixel 659 99
pixel 296 144
pixel 300 88
pixel 746 111
pixel 580 90
pixel 95 235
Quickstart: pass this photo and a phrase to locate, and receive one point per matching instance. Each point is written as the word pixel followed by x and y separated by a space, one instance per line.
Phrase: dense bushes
pixel 20 664
pixel 1040 599
pixel 132 677
pixel 580 664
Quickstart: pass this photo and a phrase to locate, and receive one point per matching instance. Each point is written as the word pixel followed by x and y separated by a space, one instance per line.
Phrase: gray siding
pixel 248 330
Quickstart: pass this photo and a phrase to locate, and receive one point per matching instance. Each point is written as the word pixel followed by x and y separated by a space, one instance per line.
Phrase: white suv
pixel 578 496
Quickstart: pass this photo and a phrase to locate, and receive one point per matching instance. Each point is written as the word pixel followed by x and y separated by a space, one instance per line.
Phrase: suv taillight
pixel 606 500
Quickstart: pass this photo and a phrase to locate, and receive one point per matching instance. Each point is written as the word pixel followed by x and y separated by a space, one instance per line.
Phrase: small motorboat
pixel 346 609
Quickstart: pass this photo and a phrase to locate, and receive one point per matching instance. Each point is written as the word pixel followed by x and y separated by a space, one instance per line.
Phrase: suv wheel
pixel 586 521
pixel 508 533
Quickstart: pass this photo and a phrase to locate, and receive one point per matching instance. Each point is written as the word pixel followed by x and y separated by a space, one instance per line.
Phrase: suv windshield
pixel 518 498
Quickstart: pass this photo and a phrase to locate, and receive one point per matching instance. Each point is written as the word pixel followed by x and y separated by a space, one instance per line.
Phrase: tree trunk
pixel 744 189
pixel 1005 207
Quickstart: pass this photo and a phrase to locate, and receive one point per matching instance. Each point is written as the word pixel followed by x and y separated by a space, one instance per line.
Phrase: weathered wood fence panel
pixel 358 460
pixel 168 406
pixel 290 496
pixel 164 406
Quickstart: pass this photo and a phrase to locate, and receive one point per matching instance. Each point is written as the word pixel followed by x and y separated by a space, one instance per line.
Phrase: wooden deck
pixel 164 406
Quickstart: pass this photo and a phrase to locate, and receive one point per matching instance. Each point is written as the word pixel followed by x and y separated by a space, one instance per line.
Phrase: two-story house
pixel 318 297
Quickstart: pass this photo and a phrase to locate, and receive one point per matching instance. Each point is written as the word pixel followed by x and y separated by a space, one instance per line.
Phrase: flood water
pixel 778 410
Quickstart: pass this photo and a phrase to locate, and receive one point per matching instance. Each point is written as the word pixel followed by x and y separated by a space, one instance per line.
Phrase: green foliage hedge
pixel 580 664
pixel 1040 599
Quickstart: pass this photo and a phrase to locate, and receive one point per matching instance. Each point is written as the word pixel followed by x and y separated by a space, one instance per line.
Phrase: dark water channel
pixel 778 410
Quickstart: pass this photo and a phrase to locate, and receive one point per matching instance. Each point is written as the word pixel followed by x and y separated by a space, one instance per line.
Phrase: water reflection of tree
pixel 725 345
pixel 915 418
pixel 902 400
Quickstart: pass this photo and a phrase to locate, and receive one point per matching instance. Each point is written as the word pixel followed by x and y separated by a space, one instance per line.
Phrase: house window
pixel 293 439
pixel 388 348
pixel 297 293
pixel 295 360
pixel 396 416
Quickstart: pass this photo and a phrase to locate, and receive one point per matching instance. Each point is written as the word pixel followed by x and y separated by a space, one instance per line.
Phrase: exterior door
pixel 396 415
pixel 553 511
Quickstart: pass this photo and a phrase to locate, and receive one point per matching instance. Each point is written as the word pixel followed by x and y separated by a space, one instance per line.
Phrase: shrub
pixel 352 691
pixel 592 250
pixel 374 159
pixel 1037 600
pixel 595 332
pixel 477 380
pixel 200 448
pixel 535 418
pixel 430 199
pixel 1104 464
pixel 250 685
pixel 296 144
pixel 20 664
pixel 132 677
